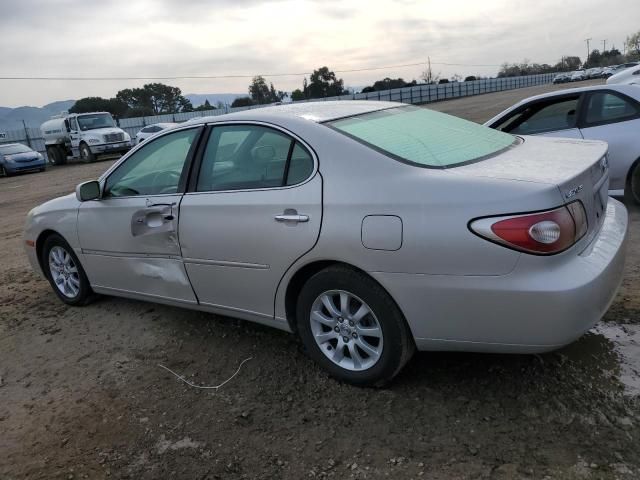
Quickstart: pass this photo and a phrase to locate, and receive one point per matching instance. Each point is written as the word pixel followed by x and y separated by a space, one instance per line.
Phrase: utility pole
pixel 604 46
pixel 587 40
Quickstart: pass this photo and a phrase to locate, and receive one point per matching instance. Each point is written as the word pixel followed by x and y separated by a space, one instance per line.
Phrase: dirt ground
pixel 82 395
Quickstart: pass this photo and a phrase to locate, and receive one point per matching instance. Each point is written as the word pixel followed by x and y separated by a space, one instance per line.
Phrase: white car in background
pixel 150 130
pixel 577 76
pixel 628 76
pixel 605 112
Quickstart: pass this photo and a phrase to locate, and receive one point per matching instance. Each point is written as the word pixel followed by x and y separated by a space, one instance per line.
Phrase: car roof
pixel 317 111
pixel 631 90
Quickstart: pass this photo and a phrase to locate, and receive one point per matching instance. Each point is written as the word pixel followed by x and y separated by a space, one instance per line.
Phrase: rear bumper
pixel 543 304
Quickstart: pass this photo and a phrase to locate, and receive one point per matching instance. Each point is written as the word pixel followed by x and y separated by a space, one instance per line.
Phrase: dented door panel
pixel 130 244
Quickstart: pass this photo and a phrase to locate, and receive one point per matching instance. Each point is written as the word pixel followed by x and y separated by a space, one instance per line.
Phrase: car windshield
pixel 95 120
pixel 13 149
pixel 424 137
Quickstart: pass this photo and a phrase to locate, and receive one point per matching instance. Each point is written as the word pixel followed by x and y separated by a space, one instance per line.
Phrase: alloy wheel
pixel 64 272
pixel 346 330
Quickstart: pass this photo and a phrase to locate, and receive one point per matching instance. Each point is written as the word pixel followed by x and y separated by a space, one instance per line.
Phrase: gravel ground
pixel 82 395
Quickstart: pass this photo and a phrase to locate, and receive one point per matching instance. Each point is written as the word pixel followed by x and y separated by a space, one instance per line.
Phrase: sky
pixel 172 38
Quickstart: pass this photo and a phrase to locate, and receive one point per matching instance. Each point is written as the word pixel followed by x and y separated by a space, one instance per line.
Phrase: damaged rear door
pixel 129 237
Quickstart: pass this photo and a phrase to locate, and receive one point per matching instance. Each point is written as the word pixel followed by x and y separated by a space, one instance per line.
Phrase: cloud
pixel 190 37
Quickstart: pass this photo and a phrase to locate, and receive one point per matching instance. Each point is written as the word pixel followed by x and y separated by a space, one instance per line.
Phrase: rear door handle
pixel 292 218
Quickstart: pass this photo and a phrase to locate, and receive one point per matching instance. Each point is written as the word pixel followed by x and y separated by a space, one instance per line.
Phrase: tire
pixel 70 283
pixel 364 350
pixel 53 155
pixel 86 155
pixel 633 184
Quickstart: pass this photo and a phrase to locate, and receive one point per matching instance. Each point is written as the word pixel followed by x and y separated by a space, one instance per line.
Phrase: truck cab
pixel 83 136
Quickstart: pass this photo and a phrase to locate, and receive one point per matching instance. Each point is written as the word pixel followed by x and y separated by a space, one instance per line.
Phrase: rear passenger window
pixel 543 117
pixel 606 107
pixel 239 157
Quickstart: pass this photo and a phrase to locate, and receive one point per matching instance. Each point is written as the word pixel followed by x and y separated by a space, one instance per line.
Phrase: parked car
pixel 628 76
pixel 150 130
pixel 605 112
pixel 612 70
pixel 16 158
pixel 368 228
pixel 577 76
pixel 593 72
pixel 562 78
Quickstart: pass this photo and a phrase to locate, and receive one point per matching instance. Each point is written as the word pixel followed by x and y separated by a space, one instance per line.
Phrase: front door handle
pixel 292 218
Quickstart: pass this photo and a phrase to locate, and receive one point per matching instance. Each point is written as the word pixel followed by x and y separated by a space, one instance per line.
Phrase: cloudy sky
pixel 165 38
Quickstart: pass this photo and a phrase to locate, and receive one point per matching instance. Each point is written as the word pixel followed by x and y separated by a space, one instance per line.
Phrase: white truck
pixel 83 136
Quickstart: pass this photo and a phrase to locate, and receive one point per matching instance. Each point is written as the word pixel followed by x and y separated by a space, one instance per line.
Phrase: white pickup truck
pixel 83 136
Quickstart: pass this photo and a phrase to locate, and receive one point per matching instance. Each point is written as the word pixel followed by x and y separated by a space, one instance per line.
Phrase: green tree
pixel 297 95
pixel 204 107
pixel 262 93
pixel 242 102
pixel 98 104
pixel 323 83
pixel 156 98
pixel 633 43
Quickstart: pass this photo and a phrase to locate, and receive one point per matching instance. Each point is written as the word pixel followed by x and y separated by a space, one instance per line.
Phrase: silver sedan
pixel 368 229
pixel 610 113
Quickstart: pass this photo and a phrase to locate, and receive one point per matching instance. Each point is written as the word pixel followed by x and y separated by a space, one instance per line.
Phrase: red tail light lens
pixel 542 233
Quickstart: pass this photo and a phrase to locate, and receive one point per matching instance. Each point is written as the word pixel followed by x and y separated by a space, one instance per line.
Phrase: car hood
pixel 103 131
pixel 57 204
pixel 22 157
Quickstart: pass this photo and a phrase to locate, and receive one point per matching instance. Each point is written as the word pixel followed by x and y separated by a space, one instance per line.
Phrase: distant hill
pixel 198 99
pixel 11 118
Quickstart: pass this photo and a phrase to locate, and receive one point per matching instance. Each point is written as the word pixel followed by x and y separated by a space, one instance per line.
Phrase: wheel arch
pixel 304 273
pixel 40 241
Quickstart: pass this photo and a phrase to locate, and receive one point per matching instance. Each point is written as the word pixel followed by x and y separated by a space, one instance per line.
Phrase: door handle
pixel 292 218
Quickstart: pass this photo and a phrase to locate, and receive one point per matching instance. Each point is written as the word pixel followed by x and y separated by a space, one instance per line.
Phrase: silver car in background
pixel 369 229
pixel 610 113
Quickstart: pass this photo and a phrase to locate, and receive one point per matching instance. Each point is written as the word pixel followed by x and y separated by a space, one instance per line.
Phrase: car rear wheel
pixel 64 272
pixel 86 155
pixel 352 327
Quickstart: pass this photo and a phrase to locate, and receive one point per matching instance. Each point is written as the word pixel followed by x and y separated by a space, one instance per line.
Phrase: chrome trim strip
pixel 105 253
pixel 224 263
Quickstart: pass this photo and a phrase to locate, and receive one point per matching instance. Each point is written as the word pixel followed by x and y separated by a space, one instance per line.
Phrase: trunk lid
pixel 579 168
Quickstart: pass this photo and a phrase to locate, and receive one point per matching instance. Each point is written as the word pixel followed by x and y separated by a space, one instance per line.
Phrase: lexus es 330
pixel 369 229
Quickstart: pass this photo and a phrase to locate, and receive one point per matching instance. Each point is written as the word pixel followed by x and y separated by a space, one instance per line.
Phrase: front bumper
pixel 17 167
pixel 543 304
pixel 118 147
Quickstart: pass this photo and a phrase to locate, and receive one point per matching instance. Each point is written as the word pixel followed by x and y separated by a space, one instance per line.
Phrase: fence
pixel 418 94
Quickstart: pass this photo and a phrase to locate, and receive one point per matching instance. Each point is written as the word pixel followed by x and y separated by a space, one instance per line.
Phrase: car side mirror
pixel 88 191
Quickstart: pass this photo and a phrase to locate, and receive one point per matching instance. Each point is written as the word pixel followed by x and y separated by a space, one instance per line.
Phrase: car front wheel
pixel 64 272
pixel 352 327
pixel 634 184
pixel 86 155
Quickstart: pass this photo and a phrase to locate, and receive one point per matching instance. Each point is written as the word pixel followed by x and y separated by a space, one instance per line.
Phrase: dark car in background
pixel 16 158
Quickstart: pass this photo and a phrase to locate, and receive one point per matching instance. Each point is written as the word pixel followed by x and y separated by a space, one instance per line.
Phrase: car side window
pixel 154 169
pixel 605 107
pixel 540 117
pixel 239 157
pixel 73 123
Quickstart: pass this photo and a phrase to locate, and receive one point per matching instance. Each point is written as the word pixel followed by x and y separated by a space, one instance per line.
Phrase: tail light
pixel 542 233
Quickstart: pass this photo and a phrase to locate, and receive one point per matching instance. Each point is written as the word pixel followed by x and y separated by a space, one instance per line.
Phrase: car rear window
pixel 424 137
